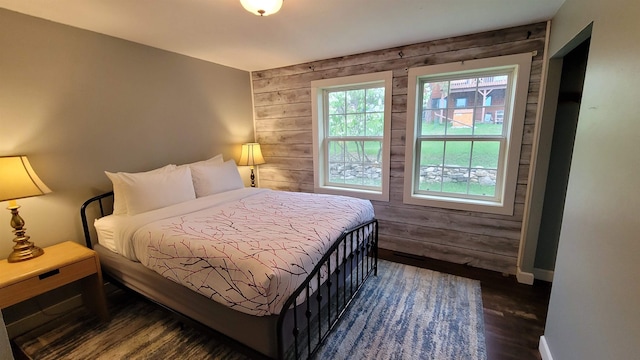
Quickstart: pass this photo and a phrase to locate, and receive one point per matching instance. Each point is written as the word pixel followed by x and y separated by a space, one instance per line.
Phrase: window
pixel 351 135
pixel 466 156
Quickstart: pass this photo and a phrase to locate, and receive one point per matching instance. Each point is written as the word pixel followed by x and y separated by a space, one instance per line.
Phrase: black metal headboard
pixel 100 199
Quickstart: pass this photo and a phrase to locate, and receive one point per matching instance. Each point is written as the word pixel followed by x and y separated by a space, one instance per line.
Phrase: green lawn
pixel 478 129
pixel 354 149
pixel 457 153
pixel 483 154
pixel 459 188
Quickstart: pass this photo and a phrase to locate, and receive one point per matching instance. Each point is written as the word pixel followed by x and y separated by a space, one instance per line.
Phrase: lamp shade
pixel 251 155
pixel 18 180
pixel 262 7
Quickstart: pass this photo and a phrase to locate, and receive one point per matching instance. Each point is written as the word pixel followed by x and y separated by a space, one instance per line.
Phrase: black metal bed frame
pixel 323 297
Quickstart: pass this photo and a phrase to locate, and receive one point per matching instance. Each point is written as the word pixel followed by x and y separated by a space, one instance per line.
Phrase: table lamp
pixel 251 155
pixel 17 181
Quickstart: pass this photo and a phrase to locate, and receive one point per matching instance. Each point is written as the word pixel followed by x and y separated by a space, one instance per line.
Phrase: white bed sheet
pixel 116 231
pixel 247 248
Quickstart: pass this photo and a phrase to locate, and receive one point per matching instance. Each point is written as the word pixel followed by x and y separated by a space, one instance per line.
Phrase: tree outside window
pixel 351 135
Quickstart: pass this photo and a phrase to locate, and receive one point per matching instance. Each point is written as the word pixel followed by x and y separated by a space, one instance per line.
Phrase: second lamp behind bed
pixel 251 156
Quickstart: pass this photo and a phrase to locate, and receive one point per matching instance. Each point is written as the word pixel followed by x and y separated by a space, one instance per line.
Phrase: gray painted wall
pixel 593 311
pixel 78 103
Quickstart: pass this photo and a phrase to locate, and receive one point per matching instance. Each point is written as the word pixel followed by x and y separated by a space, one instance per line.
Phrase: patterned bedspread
pixel 250 253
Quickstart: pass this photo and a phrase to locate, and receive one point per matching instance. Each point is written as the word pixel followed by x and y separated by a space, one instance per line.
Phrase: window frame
pixel 320 139
pixel 515 106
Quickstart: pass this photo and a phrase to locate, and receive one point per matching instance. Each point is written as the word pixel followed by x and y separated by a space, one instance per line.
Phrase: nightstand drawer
pixel 46 281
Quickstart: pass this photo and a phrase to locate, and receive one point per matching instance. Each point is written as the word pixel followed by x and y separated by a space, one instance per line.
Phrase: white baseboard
pixel 524 277
pixel 544 349
pixel 544 275
pixel 42 317
pixel 528 277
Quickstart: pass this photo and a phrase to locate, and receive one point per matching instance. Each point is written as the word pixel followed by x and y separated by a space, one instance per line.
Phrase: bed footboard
pixel 316 307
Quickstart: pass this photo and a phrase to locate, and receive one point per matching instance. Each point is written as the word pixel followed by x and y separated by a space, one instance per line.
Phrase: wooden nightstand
pixel 60 264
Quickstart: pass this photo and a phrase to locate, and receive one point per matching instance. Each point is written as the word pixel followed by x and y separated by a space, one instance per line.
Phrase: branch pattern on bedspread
pixel 253 253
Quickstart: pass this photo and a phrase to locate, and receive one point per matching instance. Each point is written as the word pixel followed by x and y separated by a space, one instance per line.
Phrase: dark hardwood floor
pixel 514 313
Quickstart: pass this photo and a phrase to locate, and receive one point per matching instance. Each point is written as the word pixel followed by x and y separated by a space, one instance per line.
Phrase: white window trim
pixel 505 204
pixel 319 161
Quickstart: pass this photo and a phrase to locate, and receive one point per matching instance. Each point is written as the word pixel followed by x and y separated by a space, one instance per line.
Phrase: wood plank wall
pixel 282 100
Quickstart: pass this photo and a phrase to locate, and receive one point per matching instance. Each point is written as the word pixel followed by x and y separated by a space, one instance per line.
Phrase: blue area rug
pixel 411 313
pixel 403 313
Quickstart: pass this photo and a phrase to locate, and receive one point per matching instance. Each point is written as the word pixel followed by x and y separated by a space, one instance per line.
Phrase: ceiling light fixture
pixel 262 7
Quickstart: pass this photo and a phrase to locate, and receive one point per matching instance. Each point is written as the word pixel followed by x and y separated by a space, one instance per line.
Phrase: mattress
pixel 247 249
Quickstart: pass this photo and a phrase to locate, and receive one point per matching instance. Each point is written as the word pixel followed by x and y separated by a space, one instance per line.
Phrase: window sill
pixel 490 207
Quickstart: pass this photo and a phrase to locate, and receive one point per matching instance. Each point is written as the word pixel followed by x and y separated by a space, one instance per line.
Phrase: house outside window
pixel 351 135
pixel 465 156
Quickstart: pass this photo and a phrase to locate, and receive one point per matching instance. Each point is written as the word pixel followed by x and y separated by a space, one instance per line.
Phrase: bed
pixel 271 271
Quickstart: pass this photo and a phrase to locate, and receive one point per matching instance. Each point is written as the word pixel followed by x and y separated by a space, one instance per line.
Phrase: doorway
pixel 572 74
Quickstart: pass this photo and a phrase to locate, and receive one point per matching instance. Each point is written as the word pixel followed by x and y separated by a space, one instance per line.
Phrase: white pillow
pixel 216 160
pixel 119 201
pixel 149 191
pixel 212 179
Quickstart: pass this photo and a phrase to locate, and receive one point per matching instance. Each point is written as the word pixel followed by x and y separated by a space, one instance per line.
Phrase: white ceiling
pixel 221 31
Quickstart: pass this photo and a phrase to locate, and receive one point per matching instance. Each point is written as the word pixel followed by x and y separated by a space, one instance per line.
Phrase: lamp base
pixel 24 251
